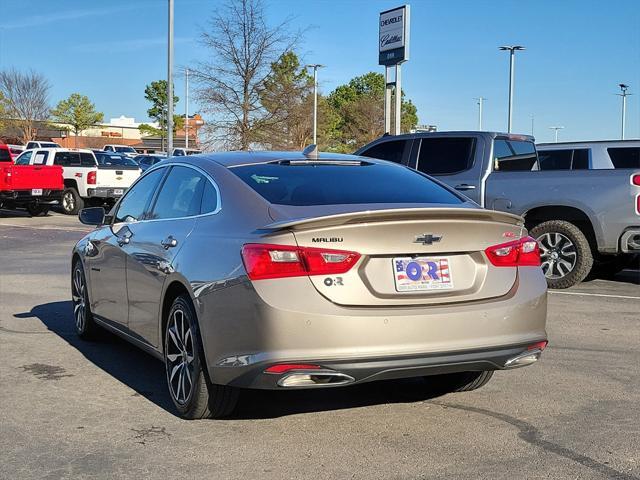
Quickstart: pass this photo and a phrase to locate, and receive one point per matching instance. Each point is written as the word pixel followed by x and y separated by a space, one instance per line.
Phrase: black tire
pixel 182 341
pixel 72 202
pixel 570 236
pixel 86 328
pixel 35 210
pixel 459 382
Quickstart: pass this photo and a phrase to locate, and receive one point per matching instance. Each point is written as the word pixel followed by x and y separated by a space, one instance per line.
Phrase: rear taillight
pixel 519 253
pixel 7 177
pixel 635 180
pixel 91 178
pixel 264 261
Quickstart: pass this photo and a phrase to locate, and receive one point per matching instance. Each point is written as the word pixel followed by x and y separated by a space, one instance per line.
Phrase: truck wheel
pixel 72 202
pixel 565 253
pixel 35 210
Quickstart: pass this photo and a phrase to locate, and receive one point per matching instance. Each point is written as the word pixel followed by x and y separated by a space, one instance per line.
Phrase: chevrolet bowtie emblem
pixel 428 239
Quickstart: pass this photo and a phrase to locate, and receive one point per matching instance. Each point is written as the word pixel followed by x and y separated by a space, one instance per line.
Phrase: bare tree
pixel 26 99
pixel 242 47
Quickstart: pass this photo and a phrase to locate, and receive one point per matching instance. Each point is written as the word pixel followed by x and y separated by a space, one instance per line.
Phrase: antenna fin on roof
pixel 311 151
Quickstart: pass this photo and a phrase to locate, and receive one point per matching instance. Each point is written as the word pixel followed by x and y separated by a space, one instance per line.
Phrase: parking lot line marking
pixel 595 295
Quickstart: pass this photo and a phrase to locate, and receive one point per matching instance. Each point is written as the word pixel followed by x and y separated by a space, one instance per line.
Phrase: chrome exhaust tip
pixel 315 379
pixel 524 359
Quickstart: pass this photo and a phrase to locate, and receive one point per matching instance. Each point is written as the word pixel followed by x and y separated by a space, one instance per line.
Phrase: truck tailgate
pixel 27 177
pixel 116 177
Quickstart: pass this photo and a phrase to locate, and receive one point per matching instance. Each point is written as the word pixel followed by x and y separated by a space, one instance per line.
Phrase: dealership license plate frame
pixel 118 191
pixel 36 192
pixel 423 281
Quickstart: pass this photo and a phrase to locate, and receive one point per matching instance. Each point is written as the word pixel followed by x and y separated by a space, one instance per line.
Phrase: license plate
pixel 118 191
pixel 422 273
pixel 36 191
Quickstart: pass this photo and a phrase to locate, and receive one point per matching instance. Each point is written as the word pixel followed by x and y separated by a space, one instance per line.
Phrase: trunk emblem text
pixel 326 239
pixel 428 239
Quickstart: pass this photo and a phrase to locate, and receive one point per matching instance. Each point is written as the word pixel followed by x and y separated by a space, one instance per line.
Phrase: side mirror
pixel 92 216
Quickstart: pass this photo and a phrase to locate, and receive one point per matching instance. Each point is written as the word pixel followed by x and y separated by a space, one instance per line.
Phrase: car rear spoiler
pixel 396 214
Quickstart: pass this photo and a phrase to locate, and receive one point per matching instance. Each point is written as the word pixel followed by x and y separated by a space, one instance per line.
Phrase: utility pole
pixel 480 100
pixel 315 67
pixel 170 83
pixel 532 124
pixel 186 108
pixel 555 129
pixel 624 96
pixel 512 50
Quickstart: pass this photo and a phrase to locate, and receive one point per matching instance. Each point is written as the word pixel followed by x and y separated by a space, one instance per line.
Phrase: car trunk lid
pixel 411 256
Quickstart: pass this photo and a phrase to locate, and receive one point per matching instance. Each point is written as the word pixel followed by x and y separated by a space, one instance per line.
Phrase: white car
pixel 127 150
pixel 32 145
pixel 183 152
pixel 87 178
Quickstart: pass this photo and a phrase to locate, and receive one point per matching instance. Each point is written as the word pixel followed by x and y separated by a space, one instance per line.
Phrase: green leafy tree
pixel 78 112
pixel 359 106
pixel 156 93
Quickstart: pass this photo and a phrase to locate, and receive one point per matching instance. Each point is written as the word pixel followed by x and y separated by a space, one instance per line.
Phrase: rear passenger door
pixel 455 161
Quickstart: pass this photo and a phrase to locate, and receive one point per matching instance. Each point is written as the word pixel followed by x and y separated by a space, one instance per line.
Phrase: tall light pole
pixel 480 101
pixel 555 129
pixel 624 96
pixel 512 50
pixel 315 67
pixel 186 108
pixel 170 83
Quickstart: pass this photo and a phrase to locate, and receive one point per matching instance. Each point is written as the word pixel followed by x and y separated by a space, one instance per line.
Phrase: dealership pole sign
pixel 393 38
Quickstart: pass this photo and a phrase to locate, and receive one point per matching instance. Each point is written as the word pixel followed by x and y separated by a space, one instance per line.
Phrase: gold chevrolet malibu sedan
pixel 282 270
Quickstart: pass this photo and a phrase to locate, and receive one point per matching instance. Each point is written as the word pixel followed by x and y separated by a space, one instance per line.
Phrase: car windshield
pixel 108 159
pixel 48 145
pixel 341 183
pixel 126 150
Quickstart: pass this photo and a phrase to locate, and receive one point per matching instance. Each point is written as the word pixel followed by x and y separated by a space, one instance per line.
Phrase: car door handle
pixel 169 242
pixel 465 186
pixel 122 241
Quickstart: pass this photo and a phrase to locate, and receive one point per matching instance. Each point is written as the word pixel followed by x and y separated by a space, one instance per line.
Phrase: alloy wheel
pixel 179 356
pixel 79 300
pixel 558 254
pixel 68 202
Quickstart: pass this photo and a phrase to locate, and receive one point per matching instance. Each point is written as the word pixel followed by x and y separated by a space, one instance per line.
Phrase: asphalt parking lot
pixel 69 408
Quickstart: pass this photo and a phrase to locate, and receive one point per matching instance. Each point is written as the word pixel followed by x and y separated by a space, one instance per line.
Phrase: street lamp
pixel 170 82
pixel 512 49
pixel 186 108
pixel 624 96
pixel 480 101
pixel 556 131
pixel 315 67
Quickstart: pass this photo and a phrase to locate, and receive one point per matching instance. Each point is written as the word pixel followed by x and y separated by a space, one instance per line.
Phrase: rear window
pixel 625 157
pixel 322 184
pixel 514 155
pixel 391 151
pixel 5 156
pixel 445 156
pixel 567 159
pixel 111 159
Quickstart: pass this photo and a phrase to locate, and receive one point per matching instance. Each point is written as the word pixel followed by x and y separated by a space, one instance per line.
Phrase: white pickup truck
pixel 127 150
pixel 87 178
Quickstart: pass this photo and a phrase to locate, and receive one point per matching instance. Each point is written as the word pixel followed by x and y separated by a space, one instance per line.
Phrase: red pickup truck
pixel 34 187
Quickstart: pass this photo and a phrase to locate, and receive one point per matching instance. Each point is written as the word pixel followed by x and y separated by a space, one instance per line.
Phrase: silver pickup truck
pixel 583 211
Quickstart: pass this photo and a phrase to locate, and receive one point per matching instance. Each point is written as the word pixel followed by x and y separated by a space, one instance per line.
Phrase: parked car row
pixel 581 201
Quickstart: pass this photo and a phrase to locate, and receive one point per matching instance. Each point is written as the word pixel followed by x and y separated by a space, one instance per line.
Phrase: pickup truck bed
pixel 34 187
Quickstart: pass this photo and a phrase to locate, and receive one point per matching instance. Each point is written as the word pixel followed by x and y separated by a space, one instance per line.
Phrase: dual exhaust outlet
pixel 310 375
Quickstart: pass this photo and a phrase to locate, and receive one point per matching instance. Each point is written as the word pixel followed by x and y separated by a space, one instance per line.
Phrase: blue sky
pixel 577 53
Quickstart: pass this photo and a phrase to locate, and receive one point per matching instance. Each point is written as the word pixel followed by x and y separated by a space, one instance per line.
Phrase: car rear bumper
pixel 241 340
pixel 106 192
pixel 21 198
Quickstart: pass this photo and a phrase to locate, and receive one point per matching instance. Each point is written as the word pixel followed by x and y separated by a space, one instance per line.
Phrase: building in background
pixel 121 130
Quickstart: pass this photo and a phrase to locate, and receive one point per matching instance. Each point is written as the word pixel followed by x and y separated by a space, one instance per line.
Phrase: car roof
pixel 63 149
pixel 237 158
